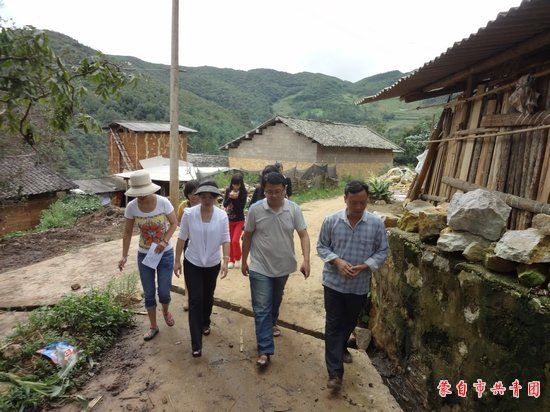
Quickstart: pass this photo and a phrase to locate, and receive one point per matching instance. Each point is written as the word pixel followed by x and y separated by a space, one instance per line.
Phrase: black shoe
pixel 197 353
pixel 335 384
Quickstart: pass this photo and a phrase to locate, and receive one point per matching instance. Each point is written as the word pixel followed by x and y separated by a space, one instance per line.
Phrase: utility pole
pixel 174 109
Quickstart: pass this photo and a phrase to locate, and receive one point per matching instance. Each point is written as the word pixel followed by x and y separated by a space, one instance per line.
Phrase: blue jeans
pixel 267 295
pixel 164 274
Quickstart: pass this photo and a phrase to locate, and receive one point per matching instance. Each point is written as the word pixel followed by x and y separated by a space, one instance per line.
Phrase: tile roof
pixel 151 127
pixel 23 175
pixel 205 160
pixel 326 133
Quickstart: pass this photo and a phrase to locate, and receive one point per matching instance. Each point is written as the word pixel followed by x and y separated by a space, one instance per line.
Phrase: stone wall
pixel 440 318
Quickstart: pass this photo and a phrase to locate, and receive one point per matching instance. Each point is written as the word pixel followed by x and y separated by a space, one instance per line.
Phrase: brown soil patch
pixel 102 226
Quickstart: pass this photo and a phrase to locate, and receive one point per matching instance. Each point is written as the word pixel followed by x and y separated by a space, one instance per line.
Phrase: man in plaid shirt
pixel 352 243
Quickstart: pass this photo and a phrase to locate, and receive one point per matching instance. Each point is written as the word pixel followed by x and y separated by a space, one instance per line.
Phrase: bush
pixel 65 211
pixel 379 189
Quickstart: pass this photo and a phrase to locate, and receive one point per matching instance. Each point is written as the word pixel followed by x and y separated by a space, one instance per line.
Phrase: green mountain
pixel 222 104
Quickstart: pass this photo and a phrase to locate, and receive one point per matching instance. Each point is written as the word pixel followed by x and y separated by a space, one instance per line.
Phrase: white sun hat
pixel 141 184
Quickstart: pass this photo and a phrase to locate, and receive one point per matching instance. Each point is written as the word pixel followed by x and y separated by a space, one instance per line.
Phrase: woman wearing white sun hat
pixel 157 223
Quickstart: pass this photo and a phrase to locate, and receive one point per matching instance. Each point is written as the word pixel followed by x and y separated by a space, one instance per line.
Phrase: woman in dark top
pixel 234 202
pixel 288 181
pixel 258 191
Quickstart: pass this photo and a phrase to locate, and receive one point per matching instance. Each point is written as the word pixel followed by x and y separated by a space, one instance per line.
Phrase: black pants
pixel 342 311
pixel 201 283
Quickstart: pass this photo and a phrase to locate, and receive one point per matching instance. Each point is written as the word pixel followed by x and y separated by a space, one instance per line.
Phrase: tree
pixel 36 83
pixel 413 143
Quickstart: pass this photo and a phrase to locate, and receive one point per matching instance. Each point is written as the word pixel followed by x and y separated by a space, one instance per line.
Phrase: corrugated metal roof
pixel 327 134
pixel 107 184
pixel 517 25
pixel 148 127
pixel 23 175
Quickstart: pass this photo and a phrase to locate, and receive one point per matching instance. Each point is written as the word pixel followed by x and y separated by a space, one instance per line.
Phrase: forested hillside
pixel 224 103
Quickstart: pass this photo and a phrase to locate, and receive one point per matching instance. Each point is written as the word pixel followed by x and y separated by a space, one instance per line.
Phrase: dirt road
pixel 162 375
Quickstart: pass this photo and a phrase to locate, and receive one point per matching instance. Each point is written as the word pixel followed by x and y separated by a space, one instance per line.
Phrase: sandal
pixel 151 334
pixel 169 319
pixel 206 331
pixel 263 360
pixel 276 331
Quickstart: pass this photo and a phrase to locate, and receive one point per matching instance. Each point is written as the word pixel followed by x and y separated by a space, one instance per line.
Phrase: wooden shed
pixel 494 131
pixel 129 142
pixel 27 188
pixel 356 150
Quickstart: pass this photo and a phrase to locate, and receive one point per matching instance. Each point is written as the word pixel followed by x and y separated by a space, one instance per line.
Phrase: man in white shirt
pixel 269 238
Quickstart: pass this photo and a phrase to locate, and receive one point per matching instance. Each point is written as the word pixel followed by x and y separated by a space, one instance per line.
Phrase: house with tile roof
pixel 355 150
pixel 27 187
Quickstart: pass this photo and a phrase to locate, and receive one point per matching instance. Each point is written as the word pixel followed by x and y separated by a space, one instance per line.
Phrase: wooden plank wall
pixel 516 163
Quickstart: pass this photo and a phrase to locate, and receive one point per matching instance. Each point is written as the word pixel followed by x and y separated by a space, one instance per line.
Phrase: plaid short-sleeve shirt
pixel 365 243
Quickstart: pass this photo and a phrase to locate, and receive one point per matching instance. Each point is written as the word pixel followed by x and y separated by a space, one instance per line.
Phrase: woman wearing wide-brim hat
pixel 157 223
pixel 207 228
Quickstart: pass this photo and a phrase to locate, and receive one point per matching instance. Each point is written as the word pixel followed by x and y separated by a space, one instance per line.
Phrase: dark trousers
pixel 201 283
pixel 342 311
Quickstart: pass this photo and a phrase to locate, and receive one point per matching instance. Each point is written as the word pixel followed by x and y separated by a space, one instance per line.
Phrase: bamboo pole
pixel 516 202
pixel 432 151
pixel 483 136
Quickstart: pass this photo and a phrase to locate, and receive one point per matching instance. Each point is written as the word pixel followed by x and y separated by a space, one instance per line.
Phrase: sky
pixel 348 39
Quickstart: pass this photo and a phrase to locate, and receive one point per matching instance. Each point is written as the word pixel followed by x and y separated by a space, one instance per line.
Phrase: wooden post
pixel 174 109
pixel 432 151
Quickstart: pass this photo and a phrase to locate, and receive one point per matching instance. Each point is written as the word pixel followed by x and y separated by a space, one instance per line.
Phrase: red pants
pixel 235 232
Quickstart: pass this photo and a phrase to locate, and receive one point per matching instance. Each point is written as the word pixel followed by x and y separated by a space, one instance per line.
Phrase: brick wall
pixel 142 146
pixel 276 143
pixel 360 162
pixel 24 215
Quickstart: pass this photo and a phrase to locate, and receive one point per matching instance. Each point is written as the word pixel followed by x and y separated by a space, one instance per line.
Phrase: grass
pixel 65 211
pixel 223 179
pixel 91 322
pixel 62 213
pixel 314 193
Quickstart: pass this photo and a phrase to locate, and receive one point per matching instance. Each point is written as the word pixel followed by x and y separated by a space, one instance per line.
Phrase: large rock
pixel 394 175
pixel 480 212
pixel 497 264
pixel 408 222
pixel 542 223
pixel 362 338
pixel 389 219
pixel 451 241
pixel 532 278
pixel 525 246
pixel 430 223
pixel 475 252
